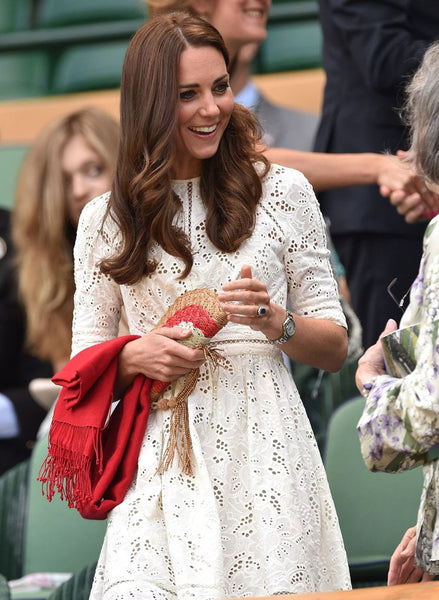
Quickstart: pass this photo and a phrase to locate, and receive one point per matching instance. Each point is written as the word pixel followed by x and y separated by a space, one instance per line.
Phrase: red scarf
pixel 92 459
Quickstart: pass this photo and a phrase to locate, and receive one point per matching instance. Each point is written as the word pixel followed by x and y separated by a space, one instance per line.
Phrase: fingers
pixel 246 272
pixel 402 568
pixel 244 296
pixel 391 325
pixel 160 355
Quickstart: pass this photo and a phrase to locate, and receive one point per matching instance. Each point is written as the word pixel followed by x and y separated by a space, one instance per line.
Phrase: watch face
pixel 290 326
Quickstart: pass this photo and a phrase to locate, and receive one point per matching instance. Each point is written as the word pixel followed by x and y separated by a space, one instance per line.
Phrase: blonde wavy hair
pixel 43 235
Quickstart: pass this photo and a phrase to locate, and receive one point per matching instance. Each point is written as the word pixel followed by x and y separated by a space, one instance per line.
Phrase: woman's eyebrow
pixel 192 85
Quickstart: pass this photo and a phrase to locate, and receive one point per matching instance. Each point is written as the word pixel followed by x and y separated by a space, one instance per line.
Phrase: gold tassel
pixel 179 433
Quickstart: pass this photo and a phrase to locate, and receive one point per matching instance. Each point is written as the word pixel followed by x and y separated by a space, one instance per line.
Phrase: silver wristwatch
pixel 289 327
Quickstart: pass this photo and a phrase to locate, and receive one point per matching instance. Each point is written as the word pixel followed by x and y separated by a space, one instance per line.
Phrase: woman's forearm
pixel 317 342
pixel 326 171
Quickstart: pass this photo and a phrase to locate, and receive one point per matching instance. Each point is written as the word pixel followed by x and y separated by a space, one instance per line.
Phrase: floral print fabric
pixel 399 428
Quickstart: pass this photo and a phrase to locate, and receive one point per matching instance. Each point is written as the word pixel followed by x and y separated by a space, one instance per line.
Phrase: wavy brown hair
pixel 143 203
pixel 43 234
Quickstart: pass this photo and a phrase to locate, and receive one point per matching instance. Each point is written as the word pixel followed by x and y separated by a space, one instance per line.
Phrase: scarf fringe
pixel 74 452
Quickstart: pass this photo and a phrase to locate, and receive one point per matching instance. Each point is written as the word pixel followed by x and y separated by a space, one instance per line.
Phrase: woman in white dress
pixel 194 205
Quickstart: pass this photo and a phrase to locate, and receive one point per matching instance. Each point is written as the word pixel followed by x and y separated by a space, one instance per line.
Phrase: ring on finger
pixel 424 190
pixel 261 311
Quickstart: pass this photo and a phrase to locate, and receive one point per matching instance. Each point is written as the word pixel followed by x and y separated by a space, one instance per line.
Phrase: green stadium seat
pixel 10 161
pixel 374 509
pixel 15 15
pixel 24 74
pixel 57 538
pixel 59 13
pixel 4 589
pixel 13 501
pixel 78 587
pixel 89 67
pixel 290 46
pixel 294 38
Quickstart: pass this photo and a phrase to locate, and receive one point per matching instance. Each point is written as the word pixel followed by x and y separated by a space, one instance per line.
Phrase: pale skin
pixel 371 364
pixel 203 112
pixel 418 205
pixel 84 174
pixel 402 566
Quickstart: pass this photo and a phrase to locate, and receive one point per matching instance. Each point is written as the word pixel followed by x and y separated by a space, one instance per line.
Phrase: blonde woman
pixel 71 162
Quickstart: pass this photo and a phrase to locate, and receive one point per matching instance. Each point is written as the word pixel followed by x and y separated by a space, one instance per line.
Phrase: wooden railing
pixel 21 120
pixel 412 591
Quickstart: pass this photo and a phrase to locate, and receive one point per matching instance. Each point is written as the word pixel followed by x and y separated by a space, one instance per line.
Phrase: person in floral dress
pixel 399 427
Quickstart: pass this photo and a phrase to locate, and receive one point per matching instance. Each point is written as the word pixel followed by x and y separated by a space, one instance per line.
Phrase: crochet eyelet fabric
pixel 256 517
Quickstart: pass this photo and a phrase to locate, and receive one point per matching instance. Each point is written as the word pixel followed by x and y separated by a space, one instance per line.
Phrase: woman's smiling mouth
pixel 204 130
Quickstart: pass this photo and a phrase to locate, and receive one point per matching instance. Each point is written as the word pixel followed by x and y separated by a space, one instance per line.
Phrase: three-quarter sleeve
pixel 97 306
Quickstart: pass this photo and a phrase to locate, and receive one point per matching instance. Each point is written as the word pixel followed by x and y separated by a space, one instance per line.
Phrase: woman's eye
pixel 187 95
pixel 221 88
pixel 95 170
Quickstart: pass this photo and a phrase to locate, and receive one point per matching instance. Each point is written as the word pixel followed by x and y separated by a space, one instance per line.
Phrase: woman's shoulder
pixel 93 215
pixel 287 177
pixel 96 208
pixel 286 187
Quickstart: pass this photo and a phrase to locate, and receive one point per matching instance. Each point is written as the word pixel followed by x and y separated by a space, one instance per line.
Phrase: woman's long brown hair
pixel 143 203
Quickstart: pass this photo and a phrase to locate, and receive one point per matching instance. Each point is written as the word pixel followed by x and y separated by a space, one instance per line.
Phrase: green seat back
pixel 58 13
pixel 11 158
pixel 78 587
pixel 4 588
pixel 57 538
pixel 89 67
pixel 24 74
pixel 13 503
pixel 374 509
pixel 291 46
pixel 15 15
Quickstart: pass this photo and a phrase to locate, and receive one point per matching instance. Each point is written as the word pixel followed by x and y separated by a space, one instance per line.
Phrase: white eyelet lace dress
pixel 257 517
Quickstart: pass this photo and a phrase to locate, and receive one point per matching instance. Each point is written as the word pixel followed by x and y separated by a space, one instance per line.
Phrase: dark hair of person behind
pixel 142 202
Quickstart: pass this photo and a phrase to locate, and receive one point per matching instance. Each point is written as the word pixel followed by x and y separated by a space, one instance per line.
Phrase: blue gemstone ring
pixel 261 311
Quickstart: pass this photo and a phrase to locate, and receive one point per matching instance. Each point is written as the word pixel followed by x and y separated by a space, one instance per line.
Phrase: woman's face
pixel 84 173
pixel 204 108
pixel 238 21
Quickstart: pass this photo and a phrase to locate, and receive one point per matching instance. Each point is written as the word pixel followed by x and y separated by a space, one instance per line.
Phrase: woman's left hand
pixel 371 364
pixel 247 302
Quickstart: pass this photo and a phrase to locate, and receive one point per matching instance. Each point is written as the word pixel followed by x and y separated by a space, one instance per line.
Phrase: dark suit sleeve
pixel 378 34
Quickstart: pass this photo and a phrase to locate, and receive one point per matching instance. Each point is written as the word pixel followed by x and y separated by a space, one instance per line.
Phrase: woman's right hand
pixel 158 355
pixel 402 564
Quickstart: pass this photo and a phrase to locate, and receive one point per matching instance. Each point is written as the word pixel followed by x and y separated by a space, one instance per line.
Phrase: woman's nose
pixel 79 187
pixel 209 106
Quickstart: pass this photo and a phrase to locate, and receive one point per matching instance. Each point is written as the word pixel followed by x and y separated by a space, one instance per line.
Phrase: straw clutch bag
pixel 199 311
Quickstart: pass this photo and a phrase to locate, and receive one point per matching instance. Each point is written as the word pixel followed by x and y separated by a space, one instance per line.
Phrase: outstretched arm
pixel 326 171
